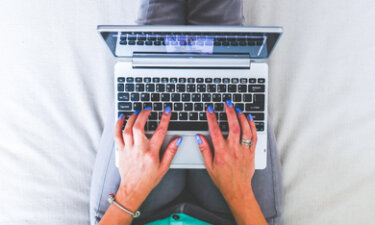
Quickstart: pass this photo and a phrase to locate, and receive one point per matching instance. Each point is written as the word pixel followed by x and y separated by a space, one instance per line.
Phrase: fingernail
pixel 136 112
pixel 198 138
pixel 148 108
pixel 121 116
pixel 238 110
pixel 229 103
pixel 210 109
pixel 167 110
pixel 250 117
pixel 178 142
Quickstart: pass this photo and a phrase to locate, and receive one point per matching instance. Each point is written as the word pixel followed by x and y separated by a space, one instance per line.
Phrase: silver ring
pixel 247 142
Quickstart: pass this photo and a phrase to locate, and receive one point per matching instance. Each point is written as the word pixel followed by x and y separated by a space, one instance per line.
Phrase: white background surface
pixel 56 86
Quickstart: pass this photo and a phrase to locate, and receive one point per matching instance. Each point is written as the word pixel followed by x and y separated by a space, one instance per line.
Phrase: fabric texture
pixel 56 84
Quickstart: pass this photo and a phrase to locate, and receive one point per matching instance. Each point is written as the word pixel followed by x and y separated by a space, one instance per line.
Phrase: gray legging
pixel 185 191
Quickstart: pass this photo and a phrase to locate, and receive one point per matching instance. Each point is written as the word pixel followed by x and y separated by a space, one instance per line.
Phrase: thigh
pixel 162 12
pixel 106 179
pixel 213 12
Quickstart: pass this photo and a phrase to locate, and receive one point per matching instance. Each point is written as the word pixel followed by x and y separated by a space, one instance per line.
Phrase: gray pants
pixel 186 191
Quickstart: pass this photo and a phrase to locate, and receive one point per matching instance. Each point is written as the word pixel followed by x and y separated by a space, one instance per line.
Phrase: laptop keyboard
pixel 189 98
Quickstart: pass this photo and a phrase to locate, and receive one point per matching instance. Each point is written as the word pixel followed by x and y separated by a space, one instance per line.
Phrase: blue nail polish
pixel 136 112
pixel 198 138
pixel 121 116
pixel 238 110
pixel 229 103
pixel 178 142
pixel 148 108
pixel 251 117
pixel 210 109
pixel 167 110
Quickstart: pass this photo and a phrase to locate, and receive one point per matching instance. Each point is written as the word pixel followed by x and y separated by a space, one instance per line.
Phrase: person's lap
pixel 105 180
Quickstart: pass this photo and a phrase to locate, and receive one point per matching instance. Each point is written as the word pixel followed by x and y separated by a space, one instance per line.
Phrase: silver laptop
pixel 189 68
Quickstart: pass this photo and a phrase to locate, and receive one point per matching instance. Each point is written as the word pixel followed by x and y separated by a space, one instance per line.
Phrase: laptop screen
pixel 257 42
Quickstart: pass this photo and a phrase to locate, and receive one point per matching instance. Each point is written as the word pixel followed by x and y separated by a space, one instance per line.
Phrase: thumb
pixel 169 153
pixel 205 150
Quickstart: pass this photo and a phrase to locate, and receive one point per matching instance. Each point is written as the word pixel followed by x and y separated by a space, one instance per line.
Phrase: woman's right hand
pixel 231 167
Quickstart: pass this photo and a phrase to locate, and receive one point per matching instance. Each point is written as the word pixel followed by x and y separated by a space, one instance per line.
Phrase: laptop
pixel 189 68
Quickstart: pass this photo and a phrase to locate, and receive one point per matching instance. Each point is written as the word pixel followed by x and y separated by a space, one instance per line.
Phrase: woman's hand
pixel 231 168
pixel 140 166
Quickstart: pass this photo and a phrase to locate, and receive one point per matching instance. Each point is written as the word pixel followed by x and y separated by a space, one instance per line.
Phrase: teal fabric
pixel 178 219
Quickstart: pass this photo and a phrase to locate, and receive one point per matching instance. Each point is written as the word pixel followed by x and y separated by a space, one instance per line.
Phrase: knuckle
pixel 236 129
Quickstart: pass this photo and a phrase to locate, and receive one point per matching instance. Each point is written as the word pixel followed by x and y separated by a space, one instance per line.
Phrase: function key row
pixel 189 80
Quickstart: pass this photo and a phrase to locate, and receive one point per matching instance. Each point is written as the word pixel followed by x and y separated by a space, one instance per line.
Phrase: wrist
pixel 130 200
pixel 241 197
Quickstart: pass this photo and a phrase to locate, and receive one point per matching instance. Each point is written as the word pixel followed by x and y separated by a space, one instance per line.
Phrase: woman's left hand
pixel 140 166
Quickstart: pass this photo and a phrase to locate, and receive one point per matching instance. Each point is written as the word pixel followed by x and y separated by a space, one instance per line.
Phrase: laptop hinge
pixel 220 61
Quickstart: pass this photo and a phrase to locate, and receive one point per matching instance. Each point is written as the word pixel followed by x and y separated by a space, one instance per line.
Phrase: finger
pixel 253 131
pixel 213 126
pixel 245 125
pixel 233 124
pixel 118 132
pixel 128 131
pixel 169 154
pixel 205 150
pixel 159 135
pixel 139 125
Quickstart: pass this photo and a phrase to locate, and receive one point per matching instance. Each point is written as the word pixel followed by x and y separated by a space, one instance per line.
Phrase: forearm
pixel 246 210
pixel 116 216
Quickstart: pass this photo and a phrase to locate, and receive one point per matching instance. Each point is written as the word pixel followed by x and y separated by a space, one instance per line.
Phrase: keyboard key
pixel 182 80
pixel 254 107
pixel 237 98
pixel 261 80
pixel 252 80
pixel 222 88
pixel 170 88
pixel 173 80
pixel 223 116
pixel 129 79
pixel 145 97
pixel 242 88
pixel 152 125
pixel 188 126
pixel 186 97
pixel 174 116
pixel 191 80
pixel 256 88
pixel 217 80
pixel 206 97
pixel 155 97
pixel 158 106
pixel 147 79
pixel 140 42
pixel 138 79
pixel 201 88
pixel 177 106
pixel 234 80
pixel 181 87
pixel 139 87
pixel 259 126
pixel 120 87
pixel 211 88
pixel 202 116
pixel 243 80
pixel 156 80
pixel 123 42
pixel 129 87
pixel 216 97
pixel 165 97
pixel 131 42
pixel 193 116
pixel 206 105
pixel 191 88
pixel 224 126
pixel 134 97
pixel 232 88
pixel 125 106
pixel 150 87
pixel 188 106
pixel 227 97
pixel 176 97
pixel 198 106
pixel 247 98
pixel 164 80
pixel 200 80
pixel 182 116
pixel 208 80
pixel 160 88
pixel 165 105
pixel 226 80
pixel 258 98
pixel 147 104
pixel 121 79
pixel 153 116
pixel 240 106
pixel 137 106
pixel 258 116
pixel 123 97
pixel 219 107
pixel 196 97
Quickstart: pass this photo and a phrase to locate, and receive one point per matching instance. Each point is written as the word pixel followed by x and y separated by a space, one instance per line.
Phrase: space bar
pixel 188 126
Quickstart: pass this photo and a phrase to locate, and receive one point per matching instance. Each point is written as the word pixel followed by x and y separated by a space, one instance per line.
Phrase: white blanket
pixel 56 87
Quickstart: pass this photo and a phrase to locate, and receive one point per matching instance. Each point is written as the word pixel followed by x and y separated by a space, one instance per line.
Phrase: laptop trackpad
pixel 188 154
